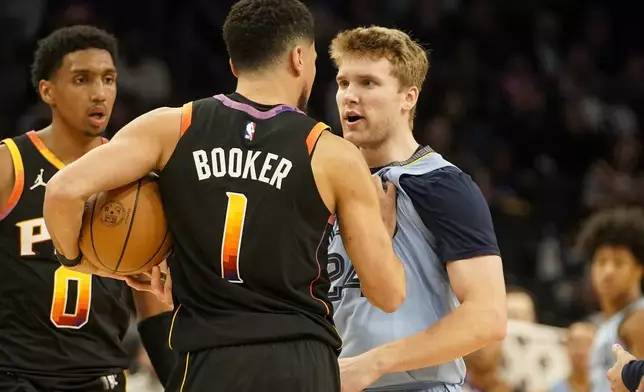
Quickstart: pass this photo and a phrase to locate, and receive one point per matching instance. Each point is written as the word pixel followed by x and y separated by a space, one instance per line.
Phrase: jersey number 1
pixel 233 230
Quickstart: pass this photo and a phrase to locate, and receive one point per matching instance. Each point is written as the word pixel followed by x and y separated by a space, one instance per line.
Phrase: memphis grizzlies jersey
pixel 601 354
pixel 362 326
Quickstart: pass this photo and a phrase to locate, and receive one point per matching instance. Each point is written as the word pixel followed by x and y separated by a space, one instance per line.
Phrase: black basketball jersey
pixel 249 225
pixel 58 327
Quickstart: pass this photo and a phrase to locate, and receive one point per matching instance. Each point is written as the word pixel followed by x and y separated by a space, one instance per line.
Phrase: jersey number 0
pixel 34 231
pixel 79 315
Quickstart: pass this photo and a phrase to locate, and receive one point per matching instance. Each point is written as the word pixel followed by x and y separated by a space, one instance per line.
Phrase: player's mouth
pixel 98 117
pixel 352 118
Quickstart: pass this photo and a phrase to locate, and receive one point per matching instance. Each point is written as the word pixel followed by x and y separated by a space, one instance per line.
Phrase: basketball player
pixel 626 373
pixel 579 339
pixel 613 241
pixel 445 236
pixel 249 183
pixel 60 330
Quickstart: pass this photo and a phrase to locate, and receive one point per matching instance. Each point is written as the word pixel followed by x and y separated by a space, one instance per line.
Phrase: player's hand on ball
pixel 357 373
pixel 614 375
pixel 89 268
pixel 157 281
pixel 387 198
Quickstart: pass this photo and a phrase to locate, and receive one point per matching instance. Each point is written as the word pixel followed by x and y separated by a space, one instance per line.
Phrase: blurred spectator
pixel 521 305
pixel 483 370
pixel 141 74
pixel 618 180
pixel 579 340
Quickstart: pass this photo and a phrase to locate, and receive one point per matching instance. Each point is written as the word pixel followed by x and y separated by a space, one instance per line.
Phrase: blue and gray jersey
pixel 442 217
pixel 601 352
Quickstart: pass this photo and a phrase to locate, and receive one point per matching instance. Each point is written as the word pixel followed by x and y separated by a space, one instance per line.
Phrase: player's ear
pixel 46 92
pixel 410 98
pixel 232 68
pixel 296 60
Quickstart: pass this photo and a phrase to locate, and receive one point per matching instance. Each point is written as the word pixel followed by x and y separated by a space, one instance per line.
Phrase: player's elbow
pixel 496 324
pixel 387 300
pixel 394 301
pixel 57 191
pixel 387 303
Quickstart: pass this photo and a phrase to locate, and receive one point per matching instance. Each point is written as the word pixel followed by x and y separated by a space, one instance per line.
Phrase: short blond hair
pixel 408 58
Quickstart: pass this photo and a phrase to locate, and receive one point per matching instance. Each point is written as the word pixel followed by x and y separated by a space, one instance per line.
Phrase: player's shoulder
pixel 339 151
pixel 7 176
pixel 336 160
pixel 156 120
pixel 445 177
pixel 6 161
pixel 5 157
pixel 447 189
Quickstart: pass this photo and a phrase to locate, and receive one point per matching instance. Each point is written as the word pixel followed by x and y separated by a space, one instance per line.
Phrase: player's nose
pixel 350 95
pixel 98 93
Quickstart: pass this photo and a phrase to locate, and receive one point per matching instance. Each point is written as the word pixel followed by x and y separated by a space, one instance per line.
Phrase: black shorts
pixel 11 382
pixel 298 366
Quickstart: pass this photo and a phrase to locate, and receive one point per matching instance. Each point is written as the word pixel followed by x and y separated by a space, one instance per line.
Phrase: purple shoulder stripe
pixel 258 114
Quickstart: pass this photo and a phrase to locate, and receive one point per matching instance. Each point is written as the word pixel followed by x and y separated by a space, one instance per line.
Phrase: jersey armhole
pixel 186 118
pixel 314 136
pixel 18 182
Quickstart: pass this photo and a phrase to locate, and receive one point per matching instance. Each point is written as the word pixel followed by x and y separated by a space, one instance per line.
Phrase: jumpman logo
pixel 110 382
pixel 39 181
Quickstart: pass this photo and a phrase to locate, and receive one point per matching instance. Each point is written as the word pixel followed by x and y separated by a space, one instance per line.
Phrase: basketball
pixel 125 230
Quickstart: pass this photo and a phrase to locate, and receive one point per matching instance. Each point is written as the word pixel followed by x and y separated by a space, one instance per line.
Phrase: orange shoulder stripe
pixel 314 135
pixel 186 117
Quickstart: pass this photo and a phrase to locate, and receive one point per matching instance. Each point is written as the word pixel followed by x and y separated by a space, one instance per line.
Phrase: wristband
pixel 632 373
pixel 68 262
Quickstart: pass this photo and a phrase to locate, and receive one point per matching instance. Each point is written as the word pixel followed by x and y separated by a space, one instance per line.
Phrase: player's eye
pixel 109 79
pixel 79 80
pixel 343 83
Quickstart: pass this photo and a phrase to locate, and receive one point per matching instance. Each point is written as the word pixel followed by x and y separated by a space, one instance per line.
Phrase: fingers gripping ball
pixel 125 230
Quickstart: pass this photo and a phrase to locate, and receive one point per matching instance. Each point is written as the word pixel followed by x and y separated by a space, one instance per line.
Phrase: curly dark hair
pixel 53 48
pixel 622 226
pixel 258 32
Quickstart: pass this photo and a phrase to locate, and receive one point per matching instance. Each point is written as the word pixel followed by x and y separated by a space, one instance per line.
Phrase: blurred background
pixel 539 101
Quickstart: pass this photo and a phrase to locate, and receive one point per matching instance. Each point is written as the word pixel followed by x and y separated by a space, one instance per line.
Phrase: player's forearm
pixel 63 214
pixel 147 305
pixel 468 328
pixel 389 292
pixel 154 332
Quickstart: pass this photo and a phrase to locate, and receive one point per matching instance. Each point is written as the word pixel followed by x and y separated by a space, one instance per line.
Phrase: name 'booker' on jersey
pixel 236 163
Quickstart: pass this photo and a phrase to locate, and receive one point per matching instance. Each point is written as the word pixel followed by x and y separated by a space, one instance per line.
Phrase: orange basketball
pixel 125 230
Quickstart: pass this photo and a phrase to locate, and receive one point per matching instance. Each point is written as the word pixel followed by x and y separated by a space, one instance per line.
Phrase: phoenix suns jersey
pixel 249 227
pixel 58 327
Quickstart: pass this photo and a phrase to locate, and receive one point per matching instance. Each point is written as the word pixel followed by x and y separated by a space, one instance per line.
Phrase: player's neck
pixel 267 90
pixel 578 380
pixel 612 306
pixel 399 147
pixel 66 144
